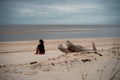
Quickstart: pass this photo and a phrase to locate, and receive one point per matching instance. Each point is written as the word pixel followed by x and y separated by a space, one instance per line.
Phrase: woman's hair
pixel 41 41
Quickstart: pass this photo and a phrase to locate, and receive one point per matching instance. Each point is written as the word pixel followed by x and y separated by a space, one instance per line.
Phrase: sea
pixel 47 32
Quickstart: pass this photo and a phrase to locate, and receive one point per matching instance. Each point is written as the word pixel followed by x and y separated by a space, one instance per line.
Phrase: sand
pixel 18 61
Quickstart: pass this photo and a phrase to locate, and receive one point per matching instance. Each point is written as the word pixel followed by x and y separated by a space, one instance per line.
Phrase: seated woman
pixel 40 48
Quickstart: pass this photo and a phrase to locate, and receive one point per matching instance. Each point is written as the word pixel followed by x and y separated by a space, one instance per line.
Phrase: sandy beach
pixel 18 61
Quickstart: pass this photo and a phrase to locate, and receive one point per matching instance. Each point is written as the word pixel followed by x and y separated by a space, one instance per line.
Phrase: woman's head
pixel 41 41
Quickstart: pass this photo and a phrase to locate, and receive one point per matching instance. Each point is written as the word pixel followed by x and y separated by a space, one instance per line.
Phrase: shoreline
pixel 59 39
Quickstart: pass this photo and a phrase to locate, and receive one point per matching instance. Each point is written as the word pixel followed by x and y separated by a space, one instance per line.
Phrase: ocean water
pixel 36 32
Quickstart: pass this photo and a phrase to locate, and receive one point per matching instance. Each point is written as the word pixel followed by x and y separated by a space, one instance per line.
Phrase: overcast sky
pixel 60 12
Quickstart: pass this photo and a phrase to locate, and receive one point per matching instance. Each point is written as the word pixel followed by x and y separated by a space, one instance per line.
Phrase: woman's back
pixel 41 48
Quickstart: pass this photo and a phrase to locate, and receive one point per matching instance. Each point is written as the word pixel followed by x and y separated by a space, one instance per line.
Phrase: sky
pixel 78 12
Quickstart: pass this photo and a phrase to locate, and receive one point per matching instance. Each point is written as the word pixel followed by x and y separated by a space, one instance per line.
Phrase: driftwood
pixel 77 48
pixel 85 60
pixel 33 62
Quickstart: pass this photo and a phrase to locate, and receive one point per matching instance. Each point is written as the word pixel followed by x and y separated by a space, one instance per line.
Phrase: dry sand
pixel 18 61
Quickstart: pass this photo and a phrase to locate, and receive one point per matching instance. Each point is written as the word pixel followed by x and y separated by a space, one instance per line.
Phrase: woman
pixel 40 48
